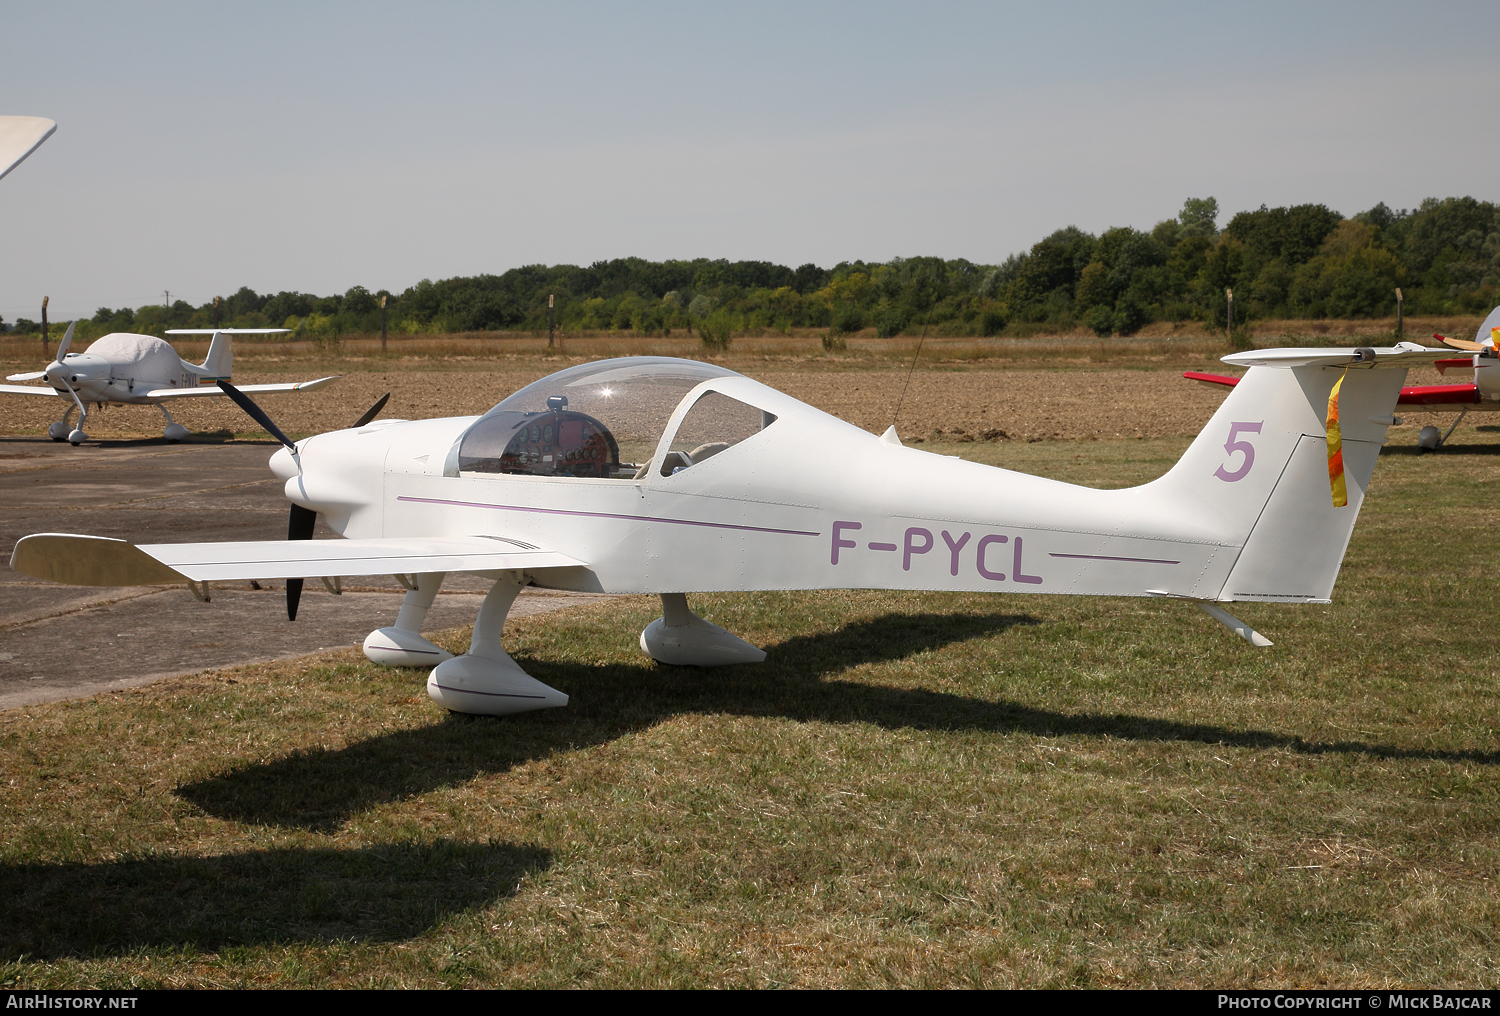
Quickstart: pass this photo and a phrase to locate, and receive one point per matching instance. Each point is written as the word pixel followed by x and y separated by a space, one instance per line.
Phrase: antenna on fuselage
pixel 910 370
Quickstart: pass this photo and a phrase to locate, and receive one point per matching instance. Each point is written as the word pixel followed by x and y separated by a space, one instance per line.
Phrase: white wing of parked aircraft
pixel 19 137
pixel 138 370
pixel 655 475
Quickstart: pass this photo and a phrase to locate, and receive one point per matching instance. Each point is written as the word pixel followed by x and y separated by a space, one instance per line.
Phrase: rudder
pixel 1258 474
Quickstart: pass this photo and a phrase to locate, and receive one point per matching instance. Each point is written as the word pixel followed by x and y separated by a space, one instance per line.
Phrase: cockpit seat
pixel 707 450
pixel 674 461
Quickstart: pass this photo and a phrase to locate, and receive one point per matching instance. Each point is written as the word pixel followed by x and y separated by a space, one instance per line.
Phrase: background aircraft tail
pixel 219 363
pixel 1258 474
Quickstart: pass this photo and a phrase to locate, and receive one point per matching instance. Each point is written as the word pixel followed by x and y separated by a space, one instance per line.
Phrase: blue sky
pixel 202 147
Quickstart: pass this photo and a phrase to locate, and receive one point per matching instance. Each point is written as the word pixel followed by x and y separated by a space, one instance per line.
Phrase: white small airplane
pixel 656 475
pixel 19 137
pixel 139 370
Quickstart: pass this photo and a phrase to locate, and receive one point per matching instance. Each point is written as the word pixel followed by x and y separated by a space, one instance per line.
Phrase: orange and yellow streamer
pixel 1336 447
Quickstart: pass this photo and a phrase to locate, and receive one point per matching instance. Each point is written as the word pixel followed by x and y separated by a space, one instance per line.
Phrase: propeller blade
pixel 372 412
pixel 62 349
pixel 299 526
pixel 28 376
pixel 257 414
pixel 1472 347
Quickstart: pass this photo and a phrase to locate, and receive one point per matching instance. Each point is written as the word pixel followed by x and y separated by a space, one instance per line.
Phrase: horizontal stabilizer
pixel 1404 354
pixel 226 331
pixel 205 390
pixel 97 561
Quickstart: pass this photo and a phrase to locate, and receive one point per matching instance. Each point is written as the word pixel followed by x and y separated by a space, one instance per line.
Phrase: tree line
pixel 1303 261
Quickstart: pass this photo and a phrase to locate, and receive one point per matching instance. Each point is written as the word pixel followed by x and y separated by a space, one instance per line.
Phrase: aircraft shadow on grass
pixel 320 790
pixel 391 892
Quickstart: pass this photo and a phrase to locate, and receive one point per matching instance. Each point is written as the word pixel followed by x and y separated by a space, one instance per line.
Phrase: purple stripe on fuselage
pixel 1101 557
pixel 605 515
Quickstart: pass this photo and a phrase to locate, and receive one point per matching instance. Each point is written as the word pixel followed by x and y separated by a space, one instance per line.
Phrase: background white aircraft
pixel 139 370
pixel 19 137
pixel 649 474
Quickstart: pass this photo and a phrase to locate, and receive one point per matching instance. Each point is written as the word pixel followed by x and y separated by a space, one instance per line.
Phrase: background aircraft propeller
pixel 62 348
pixel 1464 344
pixel 302 521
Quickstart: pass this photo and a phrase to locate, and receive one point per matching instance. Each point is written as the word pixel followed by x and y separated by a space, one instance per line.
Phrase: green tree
pixel 1199 217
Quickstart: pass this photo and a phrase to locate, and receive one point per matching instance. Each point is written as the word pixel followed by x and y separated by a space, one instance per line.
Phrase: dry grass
pixel 914 790
pixel 1158 344
pixel 1057 388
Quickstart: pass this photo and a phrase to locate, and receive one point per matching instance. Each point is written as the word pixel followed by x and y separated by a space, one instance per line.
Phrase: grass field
pixel 914 790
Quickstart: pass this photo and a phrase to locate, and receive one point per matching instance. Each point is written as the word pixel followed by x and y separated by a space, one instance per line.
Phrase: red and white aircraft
pixel 1482 395
pixel 656 475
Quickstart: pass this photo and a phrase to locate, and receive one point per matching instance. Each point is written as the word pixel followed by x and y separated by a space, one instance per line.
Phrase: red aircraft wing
pixel 1413 395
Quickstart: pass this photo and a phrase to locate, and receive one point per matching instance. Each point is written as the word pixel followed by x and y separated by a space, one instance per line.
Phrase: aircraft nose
pixel 283 465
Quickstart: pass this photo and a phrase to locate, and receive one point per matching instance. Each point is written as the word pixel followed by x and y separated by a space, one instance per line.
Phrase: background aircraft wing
pixel 1211 379
pixel 204 390
pixel 27 390
pixel 19 137
pixel 101 561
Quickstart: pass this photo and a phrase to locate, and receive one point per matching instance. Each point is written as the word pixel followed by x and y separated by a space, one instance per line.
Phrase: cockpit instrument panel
pixel 554 443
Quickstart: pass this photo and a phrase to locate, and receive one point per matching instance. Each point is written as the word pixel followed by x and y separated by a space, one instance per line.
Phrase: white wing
pixel 19 137
pixel 100 561
pixel 27 390
pixel 206 390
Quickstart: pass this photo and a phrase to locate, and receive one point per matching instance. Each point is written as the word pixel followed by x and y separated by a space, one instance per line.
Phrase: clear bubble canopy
pixel 597 419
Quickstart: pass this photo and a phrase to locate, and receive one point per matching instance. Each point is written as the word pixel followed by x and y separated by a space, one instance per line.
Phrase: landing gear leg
pixel 401 645
pixel 175 431
pixel 76 436
pixel 683 638
pixel 485 680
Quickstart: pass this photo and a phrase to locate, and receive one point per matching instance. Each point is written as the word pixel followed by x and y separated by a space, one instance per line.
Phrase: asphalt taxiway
pixel 60 642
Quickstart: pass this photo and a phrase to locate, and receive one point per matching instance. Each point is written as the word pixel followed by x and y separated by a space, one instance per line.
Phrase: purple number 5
pixel 1231 446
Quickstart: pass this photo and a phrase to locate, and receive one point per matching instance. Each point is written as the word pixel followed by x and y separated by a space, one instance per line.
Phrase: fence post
pixel 1400 322
pixel 382 324
pixel 1229 295
pixel 551 297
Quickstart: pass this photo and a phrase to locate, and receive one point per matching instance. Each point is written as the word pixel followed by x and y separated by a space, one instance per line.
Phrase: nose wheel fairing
pixel 485 681
pixel 401 644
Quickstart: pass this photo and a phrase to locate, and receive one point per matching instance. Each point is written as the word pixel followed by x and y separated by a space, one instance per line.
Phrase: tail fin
pixel 219 363
pixel 1258 473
